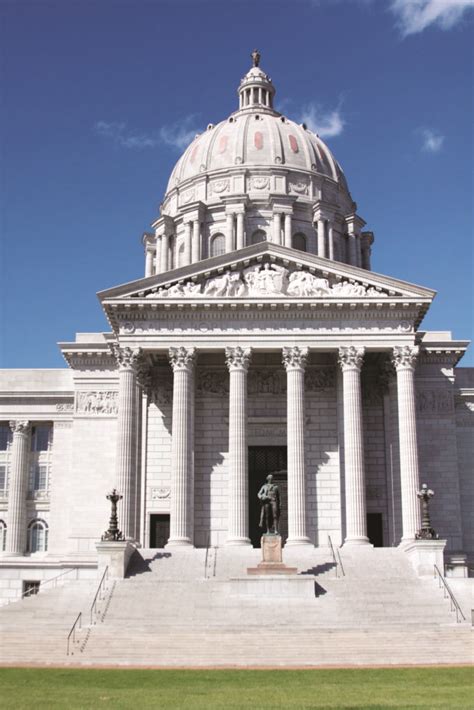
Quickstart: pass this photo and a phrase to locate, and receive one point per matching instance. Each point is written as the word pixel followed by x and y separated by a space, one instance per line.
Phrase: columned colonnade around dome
pixel 182 360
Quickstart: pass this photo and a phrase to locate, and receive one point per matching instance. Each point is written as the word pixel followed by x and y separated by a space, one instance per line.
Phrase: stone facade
pixel 285 346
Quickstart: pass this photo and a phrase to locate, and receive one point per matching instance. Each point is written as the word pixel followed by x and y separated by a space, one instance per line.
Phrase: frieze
pixel 259 182
pixel 103 402
pixel 220 186
pixel 215 382
pixel 268 279
pixel 300 187
pixel 437 401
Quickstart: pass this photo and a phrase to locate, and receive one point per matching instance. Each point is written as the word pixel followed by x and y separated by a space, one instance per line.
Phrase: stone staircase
pixel 181 609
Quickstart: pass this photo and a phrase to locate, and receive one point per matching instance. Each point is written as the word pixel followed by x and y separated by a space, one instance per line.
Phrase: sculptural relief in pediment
pixel 267 279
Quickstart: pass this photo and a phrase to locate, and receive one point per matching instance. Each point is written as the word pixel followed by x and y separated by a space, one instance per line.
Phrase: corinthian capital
pixel 182 358
pixel 127 358
pixel 351 358
pixel 404 357
pixel 238 358
pixel 20 426
pixel 294 358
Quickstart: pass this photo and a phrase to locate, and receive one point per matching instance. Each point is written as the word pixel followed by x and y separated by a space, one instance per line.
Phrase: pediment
pixel 267 271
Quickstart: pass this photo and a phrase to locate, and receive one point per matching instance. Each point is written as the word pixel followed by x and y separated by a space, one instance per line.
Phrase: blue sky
pixel 99 99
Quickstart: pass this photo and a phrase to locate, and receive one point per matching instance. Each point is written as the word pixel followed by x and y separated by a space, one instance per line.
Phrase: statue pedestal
pixel 272 561
pixel 424 555
pixel 115 556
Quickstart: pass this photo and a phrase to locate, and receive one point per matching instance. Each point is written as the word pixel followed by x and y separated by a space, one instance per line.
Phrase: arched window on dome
pixel 37 536
pixel 217 245
pixel 258 236
pixel 3 535
pixel 299 241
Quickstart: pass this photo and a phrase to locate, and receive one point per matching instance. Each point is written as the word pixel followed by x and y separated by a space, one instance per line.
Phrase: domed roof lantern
pixel 256 89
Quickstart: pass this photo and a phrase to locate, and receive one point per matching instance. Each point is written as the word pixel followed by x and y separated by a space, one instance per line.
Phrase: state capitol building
pixel 257 341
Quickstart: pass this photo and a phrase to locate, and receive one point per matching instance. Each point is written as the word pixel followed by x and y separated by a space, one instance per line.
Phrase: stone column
pixel 351 241
pixel 164 253
pixel 331 240
pixel 16 516
pixel 294 360
pixel 404 360
pixel 187 244
pixel 149 263
pixel 238 360
pixel 126 458
pixel 288 240
pixel 196 245
pixel 240 230
pixel 350 360
pixel 182 448
pixel 229 233
pixel 158 255
pixel 321 238
pixel 277 228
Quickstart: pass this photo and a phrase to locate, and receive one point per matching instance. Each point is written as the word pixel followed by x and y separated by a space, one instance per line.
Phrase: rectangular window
pixel 39 477
pixel 5 436
pixel 40 437
pixel 3 478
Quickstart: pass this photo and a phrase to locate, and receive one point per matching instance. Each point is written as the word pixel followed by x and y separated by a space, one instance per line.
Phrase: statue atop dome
pixel 255 57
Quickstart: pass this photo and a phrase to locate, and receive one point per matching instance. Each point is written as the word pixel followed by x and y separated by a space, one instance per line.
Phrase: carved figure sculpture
pixel 269 497
pixel 266 280
pixel 302 283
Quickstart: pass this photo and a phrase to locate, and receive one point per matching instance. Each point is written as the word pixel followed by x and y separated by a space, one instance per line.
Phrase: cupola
pixel 256 89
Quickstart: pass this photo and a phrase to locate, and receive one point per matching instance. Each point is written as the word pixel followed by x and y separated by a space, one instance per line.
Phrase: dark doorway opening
pixel 159 529
pixel 264 460
pixel 375 529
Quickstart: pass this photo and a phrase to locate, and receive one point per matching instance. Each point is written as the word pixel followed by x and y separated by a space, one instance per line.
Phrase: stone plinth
pixel 272 561
pixel 424 555
pixel 115 556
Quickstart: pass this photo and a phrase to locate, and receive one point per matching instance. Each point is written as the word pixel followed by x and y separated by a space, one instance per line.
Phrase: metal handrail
pixel 448 593
pixel 72 632
pixel 337 560
pixel 98 594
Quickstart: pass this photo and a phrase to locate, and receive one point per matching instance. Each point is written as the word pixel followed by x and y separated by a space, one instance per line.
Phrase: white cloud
pixel 326 124
pixel 181 133
pixel 118 134
pixel 432 141
pixel 416 15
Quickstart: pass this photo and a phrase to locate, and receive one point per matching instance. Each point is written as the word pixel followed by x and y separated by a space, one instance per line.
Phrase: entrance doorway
pixel 159 530
pixel 264 460
pixel 375 529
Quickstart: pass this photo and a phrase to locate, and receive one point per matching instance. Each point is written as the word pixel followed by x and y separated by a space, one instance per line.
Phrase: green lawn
pixel 446 688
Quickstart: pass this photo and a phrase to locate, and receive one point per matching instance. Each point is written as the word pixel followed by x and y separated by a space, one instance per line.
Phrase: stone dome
pixel 257 176
pixel 253 139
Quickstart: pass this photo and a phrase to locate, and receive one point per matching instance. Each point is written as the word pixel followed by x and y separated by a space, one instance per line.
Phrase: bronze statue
pixel 255 57
pixel 269 497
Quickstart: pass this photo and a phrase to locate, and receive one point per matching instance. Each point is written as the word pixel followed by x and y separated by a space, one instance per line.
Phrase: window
pixel 39 477
pixel 3 535
pixel 299 242
pixel 218 245
pixel 258 236
pixel 40 437
pixel 30 587
pixel 37 536
pixel 3 479
pixel 5 437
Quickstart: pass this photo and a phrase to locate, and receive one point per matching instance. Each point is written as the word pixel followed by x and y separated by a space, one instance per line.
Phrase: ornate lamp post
pixel 426 532
pixel 113 534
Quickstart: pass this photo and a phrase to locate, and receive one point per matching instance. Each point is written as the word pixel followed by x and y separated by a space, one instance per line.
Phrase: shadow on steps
pixel 139 564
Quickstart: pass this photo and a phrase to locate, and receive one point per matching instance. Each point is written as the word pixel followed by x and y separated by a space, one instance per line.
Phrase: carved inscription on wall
pixel 101 402
pixel 438 401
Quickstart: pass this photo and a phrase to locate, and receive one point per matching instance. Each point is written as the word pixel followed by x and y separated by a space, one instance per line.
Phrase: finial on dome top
pixel 255 57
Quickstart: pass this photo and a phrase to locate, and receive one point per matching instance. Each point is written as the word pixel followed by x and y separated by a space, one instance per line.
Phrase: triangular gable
pixel 267 270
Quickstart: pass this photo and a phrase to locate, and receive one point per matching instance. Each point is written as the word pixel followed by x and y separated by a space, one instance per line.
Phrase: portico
pixel 289 312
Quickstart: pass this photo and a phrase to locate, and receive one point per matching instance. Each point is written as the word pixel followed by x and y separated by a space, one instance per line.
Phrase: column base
pixel 238 541
pixel 357 541
pixel 298 541
pixel 176 542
